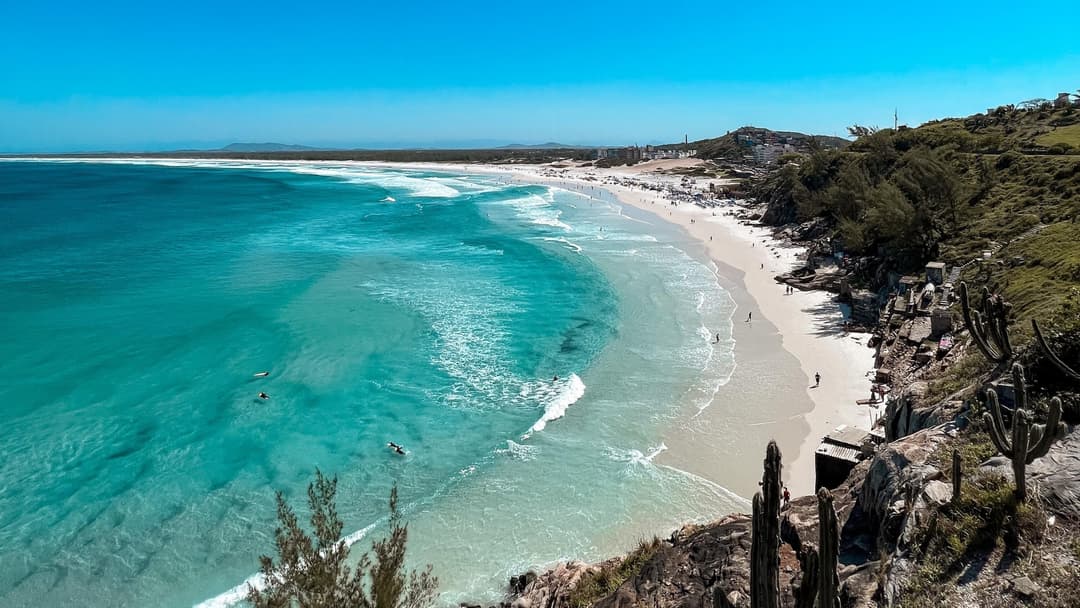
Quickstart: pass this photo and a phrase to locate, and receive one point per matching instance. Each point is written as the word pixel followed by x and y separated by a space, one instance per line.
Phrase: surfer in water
pixel 264 396
pixel 555 379
pixel 397 448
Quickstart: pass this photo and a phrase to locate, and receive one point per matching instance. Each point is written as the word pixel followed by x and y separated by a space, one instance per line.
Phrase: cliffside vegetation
pixel 949 190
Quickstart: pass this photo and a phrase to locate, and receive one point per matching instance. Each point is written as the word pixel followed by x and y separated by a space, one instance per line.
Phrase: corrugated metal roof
pixel 839 452
pixel 848 436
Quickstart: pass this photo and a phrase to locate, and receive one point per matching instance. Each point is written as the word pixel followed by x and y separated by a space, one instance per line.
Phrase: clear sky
pixel 150 75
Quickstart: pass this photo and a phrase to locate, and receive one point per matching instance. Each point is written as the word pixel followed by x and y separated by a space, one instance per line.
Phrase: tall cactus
pixel 765 535
pixel 1028 441
pixel 828 552
pixel 1051 355
pixel 988 328
pixel 806 592
pixel 957 476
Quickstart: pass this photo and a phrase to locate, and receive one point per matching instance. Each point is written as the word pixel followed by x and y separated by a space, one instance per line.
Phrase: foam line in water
pixel 350 172
pixel 716 488
pixel 538 210
pixel 634 456
pixel 571 390
pixel 570 244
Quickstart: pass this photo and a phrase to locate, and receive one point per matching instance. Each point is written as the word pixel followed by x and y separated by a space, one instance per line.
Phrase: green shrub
pixel 604 581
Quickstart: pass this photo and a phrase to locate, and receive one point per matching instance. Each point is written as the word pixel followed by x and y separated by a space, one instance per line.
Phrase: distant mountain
pixel 267 147
pixel 548 146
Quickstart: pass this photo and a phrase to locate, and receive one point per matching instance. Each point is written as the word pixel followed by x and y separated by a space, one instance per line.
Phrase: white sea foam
pixel 418 186
pixel 538 210
pixel 717 489
pixel 641 237
pixel 235 595
pixel 519 451
pixel 568 393
pixel 570 244
pixel 472 336
pixel 636 457
pixel 433 187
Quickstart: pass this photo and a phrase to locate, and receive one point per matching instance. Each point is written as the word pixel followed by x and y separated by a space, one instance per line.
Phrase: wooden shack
pixel 840 451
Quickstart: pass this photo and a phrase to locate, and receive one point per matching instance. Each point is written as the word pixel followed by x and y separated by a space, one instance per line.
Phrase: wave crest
pixel 567 394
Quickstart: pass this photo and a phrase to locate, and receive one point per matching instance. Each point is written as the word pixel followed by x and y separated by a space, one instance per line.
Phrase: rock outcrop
pixel 708 566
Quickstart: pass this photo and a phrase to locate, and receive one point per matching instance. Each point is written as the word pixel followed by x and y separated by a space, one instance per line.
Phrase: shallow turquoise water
pixel 138 300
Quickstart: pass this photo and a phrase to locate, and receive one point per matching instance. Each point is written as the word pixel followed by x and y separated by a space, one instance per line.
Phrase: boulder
pixel 895 478
pixel 1056 476
pixel 937 493
pixel 1023 586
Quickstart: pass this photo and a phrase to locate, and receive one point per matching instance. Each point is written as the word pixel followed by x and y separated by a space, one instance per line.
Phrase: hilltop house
pixel 766 154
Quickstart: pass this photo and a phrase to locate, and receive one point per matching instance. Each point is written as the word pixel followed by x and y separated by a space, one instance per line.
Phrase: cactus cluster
pixel 1025 441
pixel 1051 355
pixel 765 535
pixel 820 583
pixel 989 328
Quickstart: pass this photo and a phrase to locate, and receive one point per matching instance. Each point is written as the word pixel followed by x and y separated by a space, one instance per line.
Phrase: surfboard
pixel 262 374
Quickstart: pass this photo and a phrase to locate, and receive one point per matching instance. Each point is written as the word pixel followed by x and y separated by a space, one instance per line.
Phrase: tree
pixel 858 131
pixel 312 571
pixel 1033 104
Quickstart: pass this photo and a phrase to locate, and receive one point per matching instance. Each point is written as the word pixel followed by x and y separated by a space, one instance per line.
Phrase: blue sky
pixel 147 75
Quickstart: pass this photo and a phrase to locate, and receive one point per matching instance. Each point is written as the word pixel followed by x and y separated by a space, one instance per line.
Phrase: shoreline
pixel 808 324
pixel 773 353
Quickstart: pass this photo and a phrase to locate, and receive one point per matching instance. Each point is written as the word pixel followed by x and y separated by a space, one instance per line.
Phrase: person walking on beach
pixel 817 379
pixel 749 317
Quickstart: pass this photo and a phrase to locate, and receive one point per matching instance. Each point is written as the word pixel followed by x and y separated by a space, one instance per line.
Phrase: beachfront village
pixel 756 147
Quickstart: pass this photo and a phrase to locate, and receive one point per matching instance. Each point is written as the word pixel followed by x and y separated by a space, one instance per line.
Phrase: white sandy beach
pixel 809 324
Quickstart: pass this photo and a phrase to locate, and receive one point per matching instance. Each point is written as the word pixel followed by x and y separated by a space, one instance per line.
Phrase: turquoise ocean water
pixel 137 301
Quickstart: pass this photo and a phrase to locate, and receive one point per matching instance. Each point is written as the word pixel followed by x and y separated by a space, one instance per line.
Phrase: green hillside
pixel 1069 135
pixel 735 145
pixel 1007 181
